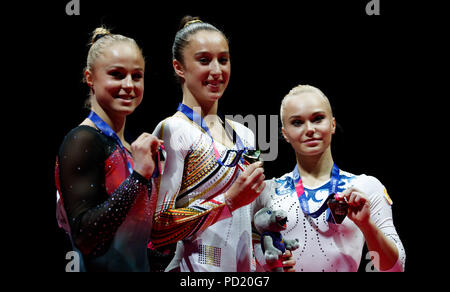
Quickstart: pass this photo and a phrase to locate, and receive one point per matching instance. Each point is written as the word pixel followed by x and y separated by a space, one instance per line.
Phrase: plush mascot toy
pixel 269 223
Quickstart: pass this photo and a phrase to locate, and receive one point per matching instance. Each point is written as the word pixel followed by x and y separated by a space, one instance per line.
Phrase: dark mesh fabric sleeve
pixel 94 216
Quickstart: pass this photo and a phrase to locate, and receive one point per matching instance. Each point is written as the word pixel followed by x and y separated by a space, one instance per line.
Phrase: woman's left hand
pixel 358 206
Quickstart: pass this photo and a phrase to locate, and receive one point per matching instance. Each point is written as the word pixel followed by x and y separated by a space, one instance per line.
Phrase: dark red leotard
pixel 107 211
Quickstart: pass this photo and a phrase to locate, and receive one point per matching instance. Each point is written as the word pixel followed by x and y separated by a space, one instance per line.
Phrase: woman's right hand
pixel 246 188
pixel 144 151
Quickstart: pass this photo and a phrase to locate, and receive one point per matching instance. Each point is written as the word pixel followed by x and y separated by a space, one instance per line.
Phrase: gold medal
pixel 251 156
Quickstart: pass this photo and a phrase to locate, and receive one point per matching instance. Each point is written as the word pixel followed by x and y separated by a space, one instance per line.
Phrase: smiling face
pixel 117 79
pixel 205 70
pixel 308 123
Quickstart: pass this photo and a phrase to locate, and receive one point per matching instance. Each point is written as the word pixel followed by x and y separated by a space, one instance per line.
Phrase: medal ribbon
pixel 196 118
pixel 106 129
pixel 303 199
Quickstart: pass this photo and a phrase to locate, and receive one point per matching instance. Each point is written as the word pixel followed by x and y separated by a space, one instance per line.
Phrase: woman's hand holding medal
pixel 247 187
pixel 358 206
pixel 144 151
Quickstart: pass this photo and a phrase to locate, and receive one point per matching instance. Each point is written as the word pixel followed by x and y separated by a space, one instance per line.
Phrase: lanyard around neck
pixel 108 131
pixel 196 118
pixel 303 199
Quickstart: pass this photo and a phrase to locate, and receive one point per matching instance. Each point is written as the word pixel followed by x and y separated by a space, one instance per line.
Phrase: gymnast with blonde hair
pixel 332 212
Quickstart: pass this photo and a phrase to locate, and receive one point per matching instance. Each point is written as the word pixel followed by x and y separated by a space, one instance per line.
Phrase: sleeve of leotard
pixel 381 214
pixel 94 216
pixel 172 224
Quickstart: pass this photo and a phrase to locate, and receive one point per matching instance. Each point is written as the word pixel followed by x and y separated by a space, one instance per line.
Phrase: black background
pixel 368 66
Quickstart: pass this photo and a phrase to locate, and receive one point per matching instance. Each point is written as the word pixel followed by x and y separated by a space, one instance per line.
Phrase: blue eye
pixel 269 212
pixel 318 118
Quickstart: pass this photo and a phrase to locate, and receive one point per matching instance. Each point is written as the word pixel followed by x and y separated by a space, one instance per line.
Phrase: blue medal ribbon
pixel 196 118
pixel 303 199
pixel 108 131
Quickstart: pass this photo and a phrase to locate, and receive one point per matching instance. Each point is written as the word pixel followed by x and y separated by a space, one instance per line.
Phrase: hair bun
pixel 188 20
pixel 98 33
